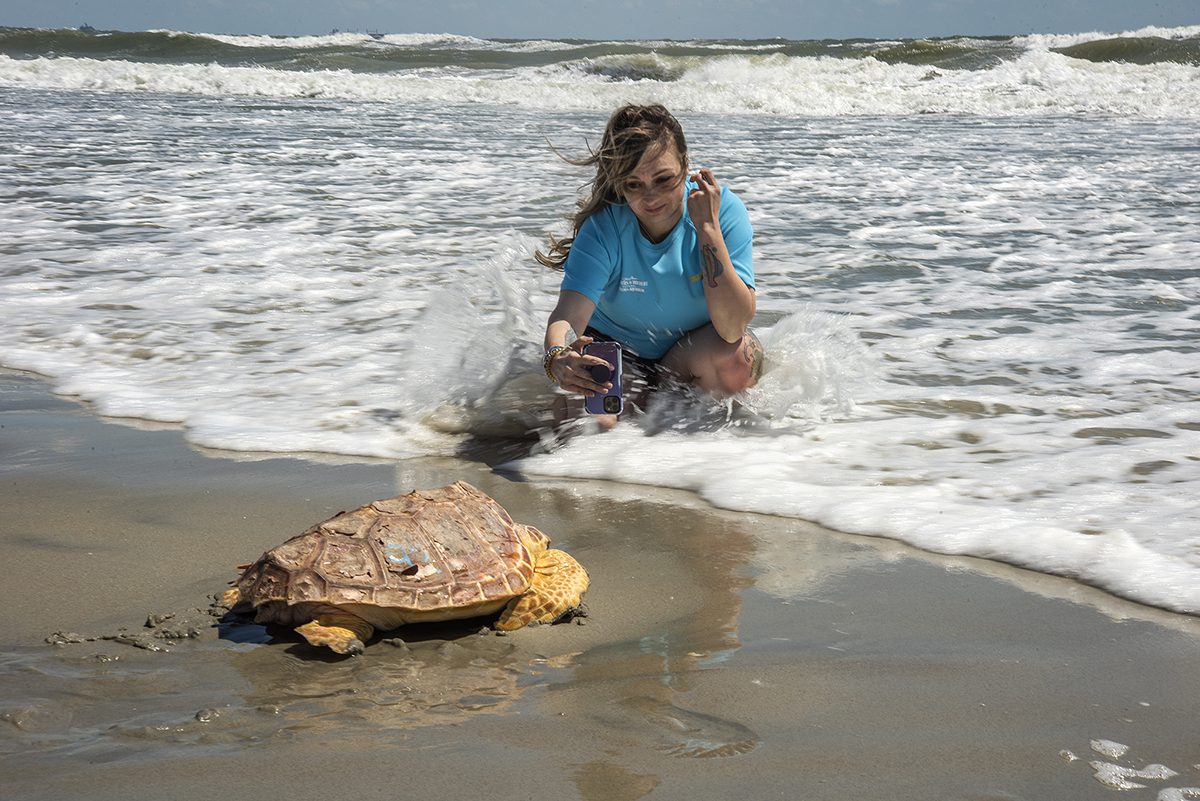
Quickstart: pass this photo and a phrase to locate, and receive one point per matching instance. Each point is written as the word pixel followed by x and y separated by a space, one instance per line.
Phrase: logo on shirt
pixel 633 285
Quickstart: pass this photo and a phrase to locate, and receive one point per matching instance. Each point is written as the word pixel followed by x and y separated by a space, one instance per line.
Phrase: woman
pixel 659 262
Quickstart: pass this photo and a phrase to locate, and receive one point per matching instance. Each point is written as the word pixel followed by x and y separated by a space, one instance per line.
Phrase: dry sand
pixel 725 655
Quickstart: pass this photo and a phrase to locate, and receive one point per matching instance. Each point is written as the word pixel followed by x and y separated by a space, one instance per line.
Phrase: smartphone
pixel 613 402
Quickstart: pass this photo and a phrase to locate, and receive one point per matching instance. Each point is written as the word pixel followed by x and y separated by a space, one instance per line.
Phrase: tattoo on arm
pixel 711 265
pixel 757 355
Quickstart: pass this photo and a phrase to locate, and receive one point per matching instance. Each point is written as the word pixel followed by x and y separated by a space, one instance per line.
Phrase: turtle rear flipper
pixel 344 633
pixel 558 586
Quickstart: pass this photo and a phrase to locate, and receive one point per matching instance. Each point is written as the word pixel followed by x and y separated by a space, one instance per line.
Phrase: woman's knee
pixel 718 367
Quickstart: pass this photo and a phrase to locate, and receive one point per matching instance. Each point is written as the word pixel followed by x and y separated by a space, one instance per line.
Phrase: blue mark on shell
pixel 406 555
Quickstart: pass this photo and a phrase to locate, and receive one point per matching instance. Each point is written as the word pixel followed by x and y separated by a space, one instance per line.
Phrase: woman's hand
pixel 572 370
pixel 704 202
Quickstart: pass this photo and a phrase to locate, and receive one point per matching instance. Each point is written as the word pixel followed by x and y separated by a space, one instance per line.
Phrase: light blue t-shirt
pixel 648 295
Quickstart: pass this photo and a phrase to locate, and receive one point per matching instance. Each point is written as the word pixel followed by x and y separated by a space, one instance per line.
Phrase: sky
pixel 612 19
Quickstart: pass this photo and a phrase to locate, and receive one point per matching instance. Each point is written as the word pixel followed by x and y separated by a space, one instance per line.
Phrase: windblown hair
pixel 632 132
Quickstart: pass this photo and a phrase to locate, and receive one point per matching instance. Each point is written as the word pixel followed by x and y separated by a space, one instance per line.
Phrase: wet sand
pixel 725 655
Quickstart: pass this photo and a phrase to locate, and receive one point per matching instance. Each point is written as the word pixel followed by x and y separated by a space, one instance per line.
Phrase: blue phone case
pixel 614 401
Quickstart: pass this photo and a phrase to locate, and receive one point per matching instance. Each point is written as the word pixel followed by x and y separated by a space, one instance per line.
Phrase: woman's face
pixel 652 190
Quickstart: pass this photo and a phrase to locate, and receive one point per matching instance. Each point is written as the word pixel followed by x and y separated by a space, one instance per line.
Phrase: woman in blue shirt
pixel 659 261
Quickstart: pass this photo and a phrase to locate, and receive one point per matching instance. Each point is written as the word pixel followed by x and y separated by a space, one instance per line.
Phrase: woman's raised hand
pixel 704 202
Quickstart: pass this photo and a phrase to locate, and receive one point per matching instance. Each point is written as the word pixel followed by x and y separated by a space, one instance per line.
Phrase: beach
pixel 974 267
pixel 723 654
pixel 947 548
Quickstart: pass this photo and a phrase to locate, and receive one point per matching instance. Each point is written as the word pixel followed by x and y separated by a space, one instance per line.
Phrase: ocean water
pixel 978 266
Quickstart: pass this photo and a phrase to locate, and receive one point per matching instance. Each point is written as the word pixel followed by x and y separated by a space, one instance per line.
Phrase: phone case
pixel 614 401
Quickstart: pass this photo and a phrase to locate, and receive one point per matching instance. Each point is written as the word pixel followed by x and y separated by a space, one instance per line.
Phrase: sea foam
pixel 981 328
pixel 1039 82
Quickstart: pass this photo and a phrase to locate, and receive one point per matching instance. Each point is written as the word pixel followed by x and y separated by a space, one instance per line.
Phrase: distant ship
pixel 372 34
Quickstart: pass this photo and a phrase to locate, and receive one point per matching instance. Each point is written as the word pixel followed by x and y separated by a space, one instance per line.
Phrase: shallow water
pixel 982 321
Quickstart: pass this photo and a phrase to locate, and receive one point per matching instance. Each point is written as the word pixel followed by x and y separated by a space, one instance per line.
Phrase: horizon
pixel 619 20
pixel 87 27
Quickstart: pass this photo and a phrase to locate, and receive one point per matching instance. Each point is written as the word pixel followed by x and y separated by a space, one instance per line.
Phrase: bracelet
pixel 549 357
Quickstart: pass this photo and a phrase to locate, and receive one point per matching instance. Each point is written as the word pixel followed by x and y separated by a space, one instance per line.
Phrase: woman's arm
pixel 731 303
pixel 569 366
pixel 573 312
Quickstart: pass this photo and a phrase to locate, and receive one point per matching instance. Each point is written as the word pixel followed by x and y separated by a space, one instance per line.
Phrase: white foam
pixel 1118 777
pixel 981 329
pixel 821 476
pixel 1047 41
pixel 538 46
pixel 340 39
pixel 430 41
pixel 437 40
pixel 293 42
pixel 1038 83
pixel 1109 748
pixel 1178 793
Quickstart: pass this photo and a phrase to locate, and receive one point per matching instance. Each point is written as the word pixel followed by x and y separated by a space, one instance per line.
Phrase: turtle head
pixel 534 540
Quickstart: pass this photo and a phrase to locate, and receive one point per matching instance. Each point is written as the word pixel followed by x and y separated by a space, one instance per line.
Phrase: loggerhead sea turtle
pixel 439 554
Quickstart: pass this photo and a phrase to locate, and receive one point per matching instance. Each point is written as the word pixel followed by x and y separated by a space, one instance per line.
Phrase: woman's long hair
pixel 632 132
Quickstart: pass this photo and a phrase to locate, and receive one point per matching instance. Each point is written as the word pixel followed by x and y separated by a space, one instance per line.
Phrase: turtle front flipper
pixel 342 632
pixel 558 586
